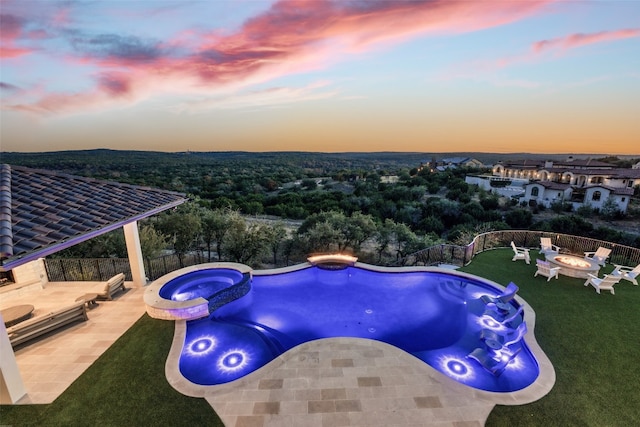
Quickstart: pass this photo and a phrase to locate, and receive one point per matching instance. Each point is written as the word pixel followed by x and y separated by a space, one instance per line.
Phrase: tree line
pixel 343 202
pixel 224 234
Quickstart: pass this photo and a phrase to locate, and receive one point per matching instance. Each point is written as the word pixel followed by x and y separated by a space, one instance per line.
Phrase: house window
pixel 535 191
pixel 623 199
pixel 596 196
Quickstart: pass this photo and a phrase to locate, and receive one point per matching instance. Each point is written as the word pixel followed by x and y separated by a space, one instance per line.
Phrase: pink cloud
pixel 290 31
pixel 272 97
pixel 577 40
pixel 291 37
pixel 61 16
pixel 11 31
pixel 12 52
pixel 562 44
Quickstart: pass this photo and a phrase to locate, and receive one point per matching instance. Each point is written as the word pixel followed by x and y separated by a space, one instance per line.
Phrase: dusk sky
pixel 327 76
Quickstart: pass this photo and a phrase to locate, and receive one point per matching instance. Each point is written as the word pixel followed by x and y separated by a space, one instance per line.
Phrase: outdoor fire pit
pixel 574 266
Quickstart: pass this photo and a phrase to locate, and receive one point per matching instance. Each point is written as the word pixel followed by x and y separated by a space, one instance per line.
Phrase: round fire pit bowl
pixel 573 266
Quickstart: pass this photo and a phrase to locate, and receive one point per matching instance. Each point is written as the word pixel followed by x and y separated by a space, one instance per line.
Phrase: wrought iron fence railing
pixel 462 255
pixel 101 269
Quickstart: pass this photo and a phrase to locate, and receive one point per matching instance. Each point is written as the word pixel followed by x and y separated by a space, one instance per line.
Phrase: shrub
pixel 559 207
pixel 570 224
pixel 585 211
pixel 519 218
pixel 432 224
pixel 490 203
pixel 609 209
pixel 433 188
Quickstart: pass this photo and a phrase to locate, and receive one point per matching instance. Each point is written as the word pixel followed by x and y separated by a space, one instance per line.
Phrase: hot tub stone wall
pixel 231 293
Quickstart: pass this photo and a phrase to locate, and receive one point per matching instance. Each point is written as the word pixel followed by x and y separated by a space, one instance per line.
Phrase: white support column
pixel 134 251
pixel 11 386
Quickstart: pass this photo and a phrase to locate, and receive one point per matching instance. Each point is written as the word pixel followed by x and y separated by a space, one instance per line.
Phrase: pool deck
pixel 48 365
pixel 349 382
pixel 332 382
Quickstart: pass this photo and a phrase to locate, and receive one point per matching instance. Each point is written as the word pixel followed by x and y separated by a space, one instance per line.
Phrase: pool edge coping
pixel 535 391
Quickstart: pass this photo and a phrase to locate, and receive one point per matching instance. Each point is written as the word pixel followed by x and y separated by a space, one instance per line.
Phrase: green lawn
pixel 126 386
pixel 592 340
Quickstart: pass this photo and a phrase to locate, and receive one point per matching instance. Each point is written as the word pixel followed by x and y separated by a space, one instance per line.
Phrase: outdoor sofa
pixel 113 285
pixel 42 324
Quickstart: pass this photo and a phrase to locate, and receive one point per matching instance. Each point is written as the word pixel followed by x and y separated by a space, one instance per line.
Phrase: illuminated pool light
pixel 201 346
pixel 232 361
pixel 515 364
pixel 185 296
pixel 456 368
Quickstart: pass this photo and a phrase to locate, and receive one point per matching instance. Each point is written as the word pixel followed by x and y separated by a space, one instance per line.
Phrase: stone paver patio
pixel 50 364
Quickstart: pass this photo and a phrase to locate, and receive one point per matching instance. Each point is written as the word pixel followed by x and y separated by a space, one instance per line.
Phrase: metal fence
pixel 101 269
pixel 158 267
pixel 462 255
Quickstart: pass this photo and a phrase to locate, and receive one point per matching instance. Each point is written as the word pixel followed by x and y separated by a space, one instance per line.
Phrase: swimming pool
pixel 435 315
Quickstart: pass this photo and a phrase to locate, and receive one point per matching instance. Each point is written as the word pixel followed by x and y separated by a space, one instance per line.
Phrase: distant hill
pixel 397 159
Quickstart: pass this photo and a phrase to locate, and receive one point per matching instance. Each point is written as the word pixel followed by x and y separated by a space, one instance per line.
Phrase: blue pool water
pixel 434 316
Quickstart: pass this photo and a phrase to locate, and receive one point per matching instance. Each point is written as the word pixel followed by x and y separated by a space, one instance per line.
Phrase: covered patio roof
pixel 42 212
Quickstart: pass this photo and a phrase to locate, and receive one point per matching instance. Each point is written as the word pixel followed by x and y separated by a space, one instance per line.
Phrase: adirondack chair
pixel 606 283
pixel 546 247
pixel 520 253
pixel 627 273
pixel 600 256
pixel 545 269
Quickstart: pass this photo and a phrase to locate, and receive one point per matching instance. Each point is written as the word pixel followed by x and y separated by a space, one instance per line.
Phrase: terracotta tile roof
pixel 552 185
pixel 615 190
pixel 626 173
pixel 575 164
pixel 42 212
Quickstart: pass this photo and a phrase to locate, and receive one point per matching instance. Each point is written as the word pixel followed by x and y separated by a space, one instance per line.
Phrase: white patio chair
pixel 546 247
pixel 545 269
pixel 606 283
pixel 600 256
pixel 627 273
pixel 520 253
